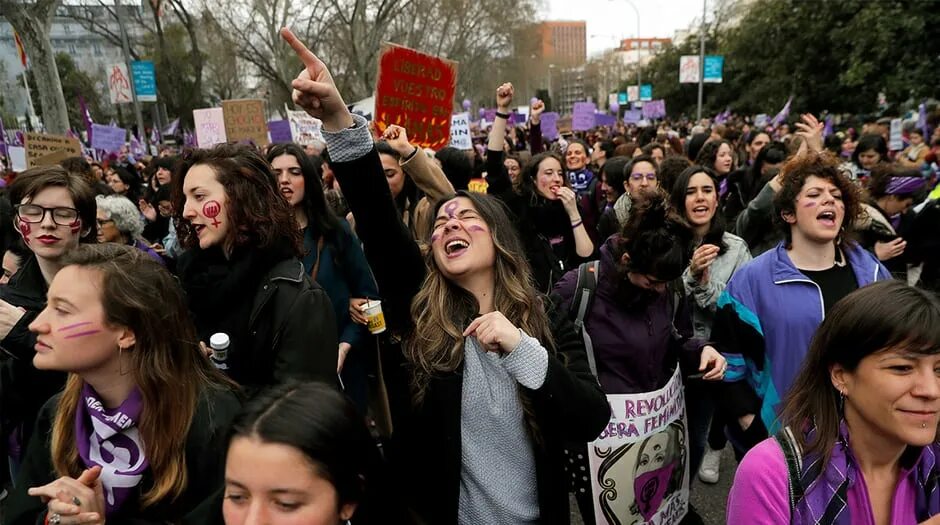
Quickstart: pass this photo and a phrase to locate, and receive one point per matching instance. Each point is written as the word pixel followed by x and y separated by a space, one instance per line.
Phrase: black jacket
pixel 426 446
pixel 23 388
pixel 291 331
pixel 205 469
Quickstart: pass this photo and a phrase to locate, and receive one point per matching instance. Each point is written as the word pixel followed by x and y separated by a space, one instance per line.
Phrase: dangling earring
pixel 842 401
pixel 121 361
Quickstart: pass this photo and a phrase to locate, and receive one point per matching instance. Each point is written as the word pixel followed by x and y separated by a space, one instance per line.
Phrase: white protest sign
pixel 305 129
pixel 896 136
pixel 17 158
pixel 689 69
pixel 119 84
pixel 210 127
pixel 460 137
pixel 524 111
pixel 640 462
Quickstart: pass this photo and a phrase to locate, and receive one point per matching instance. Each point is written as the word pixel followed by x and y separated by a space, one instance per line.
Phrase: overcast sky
pixel 608 21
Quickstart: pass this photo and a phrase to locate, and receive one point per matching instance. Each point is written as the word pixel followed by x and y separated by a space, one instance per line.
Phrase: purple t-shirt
pixel 760 493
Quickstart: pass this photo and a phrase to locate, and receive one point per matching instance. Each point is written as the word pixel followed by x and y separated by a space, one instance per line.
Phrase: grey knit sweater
pixel 497 465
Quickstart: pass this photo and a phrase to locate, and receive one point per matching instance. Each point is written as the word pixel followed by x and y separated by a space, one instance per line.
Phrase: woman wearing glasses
pixel 55 211
pixel 119 221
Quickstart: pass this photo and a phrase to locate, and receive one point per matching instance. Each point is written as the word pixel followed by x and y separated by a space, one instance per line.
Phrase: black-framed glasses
pixel 34 213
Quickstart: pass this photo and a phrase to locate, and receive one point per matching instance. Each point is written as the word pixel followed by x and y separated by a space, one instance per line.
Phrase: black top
pixel 835 283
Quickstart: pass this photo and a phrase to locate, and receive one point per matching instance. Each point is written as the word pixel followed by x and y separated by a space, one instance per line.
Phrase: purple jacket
pixel 635 351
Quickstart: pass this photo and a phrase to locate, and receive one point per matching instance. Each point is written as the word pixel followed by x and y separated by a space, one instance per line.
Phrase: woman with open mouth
pixel 859 439
pixel 242 273
pixel 772 306
pixel 495 381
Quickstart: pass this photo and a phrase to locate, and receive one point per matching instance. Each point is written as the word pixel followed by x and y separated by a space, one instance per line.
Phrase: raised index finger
pixel 306 56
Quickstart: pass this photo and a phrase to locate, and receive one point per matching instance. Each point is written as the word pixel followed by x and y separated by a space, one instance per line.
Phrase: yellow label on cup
pixel 375 317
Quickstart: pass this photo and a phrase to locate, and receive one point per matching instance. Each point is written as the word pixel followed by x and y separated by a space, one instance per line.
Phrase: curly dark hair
pixel 709 153
pixel 260 217
pixel 826 166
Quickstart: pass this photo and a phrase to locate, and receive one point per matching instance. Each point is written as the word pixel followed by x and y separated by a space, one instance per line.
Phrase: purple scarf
pixel 825 498
pixel 111 440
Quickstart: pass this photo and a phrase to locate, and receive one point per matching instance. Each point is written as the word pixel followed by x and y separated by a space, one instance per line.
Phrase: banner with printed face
pixel 305 129
pixel 640 462
pixel 210 127
pixel 415 91
pixel 244 120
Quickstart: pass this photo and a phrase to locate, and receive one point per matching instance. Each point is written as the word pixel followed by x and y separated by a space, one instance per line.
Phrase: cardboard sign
pixel 210 127
pixel 39 147
pixel 119 84
pixel 305 129
pixel 107 138
pixel 280 132
pixel 550 125
pixel 630 483
pixel 583 116
pixel 415 91
pixel 244 120
pixel 460 137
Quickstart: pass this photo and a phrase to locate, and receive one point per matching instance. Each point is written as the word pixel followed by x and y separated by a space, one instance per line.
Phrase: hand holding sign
pixel 535 111
pixel 504 97
pixel 314 89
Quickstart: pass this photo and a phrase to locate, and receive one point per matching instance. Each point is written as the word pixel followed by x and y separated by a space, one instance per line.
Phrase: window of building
pixel 66 28
pixel 97 49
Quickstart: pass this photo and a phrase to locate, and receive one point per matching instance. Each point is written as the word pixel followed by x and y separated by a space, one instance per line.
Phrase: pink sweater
pixel 760 493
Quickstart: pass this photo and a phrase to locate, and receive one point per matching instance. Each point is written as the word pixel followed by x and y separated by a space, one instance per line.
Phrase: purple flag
pixel 154 135
pixel 86 116
pixel 784 113
pixel 189 140
pixel 172 128
pixel 137 149
pixel 828 129
pixel 722 117
pixel 3 139
pixel 280 131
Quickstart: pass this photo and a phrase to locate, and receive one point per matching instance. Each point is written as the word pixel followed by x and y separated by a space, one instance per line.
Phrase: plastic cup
pixel 376 319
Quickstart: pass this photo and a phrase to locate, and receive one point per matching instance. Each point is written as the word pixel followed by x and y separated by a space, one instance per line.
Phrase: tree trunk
pixel 33 22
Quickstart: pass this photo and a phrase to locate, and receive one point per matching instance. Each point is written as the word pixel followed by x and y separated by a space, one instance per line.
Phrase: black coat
pixel 205 468
pixel 291 330
pixel 426 446
pixel 23 388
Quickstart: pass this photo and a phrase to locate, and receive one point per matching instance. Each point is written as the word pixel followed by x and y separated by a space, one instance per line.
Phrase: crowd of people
pixel 348 334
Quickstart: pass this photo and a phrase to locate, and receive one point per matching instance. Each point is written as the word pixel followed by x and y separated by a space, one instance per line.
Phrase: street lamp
pixel 552 100
pixel 638 63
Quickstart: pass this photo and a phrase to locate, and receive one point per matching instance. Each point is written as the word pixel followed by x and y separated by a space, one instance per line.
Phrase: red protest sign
pixel 416 92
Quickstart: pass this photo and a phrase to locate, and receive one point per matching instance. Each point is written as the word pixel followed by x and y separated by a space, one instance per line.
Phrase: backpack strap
pixel 588 274
pixel 792 454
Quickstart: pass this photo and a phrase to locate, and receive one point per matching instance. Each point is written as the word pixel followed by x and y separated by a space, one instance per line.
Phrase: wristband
pixel 502 115
pixel 577 223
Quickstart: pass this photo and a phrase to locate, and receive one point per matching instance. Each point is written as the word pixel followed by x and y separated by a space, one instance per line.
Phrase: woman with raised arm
pixel 858 443
pixel 138 433
pixel 545 211
pixel 472 328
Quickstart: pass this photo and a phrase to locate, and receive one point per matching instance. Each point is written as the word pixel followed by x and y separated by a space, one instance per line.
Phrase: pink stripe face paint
pixel 72 326
pixel 82 334
pixel 212 209
pixel 76 226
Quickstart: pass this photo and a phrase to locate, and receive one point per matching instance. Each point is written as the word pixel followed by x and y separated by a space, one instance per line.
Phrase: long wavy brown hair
pixel 442 310
pixel 166 364
pixel 261 218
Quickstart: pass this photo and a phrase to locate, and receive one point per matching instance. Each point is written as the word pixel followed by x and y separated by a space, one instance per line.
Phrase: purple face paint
pixel 451 208
pixel 82 334
pixel 476 228
pixel 435 237
pixel 76 325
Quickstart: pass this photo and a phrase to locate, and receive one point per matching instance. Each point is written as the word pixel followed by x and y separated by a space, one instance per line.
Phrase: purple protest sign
pixel 280 131
pixel 489 115
pixel 632 116
pixel 601 119
pixel 107 138
pixel 583 116
pixel 654 109
pixel 550 125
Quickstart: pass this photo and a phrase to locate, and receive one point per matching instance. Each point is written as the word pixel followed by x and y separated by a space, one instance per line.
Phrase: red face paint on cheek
pixel 25 230
pixel 76 226
pixel 211 210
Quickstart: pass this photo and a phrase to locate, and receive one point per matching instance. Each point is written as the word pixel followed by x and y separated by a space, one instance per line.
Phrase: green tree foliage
pixel 834 55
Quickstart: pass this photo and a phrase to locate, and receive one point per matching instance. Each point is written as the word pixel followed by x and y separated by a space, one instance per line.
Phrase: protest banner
pixel 654 109
pixel 601 119
pixel 305 129
pixel 689 69
pixel 632 116
pixel 119 84
pixel 478 185
pixel 550 125
pixel 460 131
pixel 630 483
pixel 280 132
pixel 582 118
pixel 107 138
pixel 40 149
pixel 210 127
pixel 244 120
pixel 416 91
